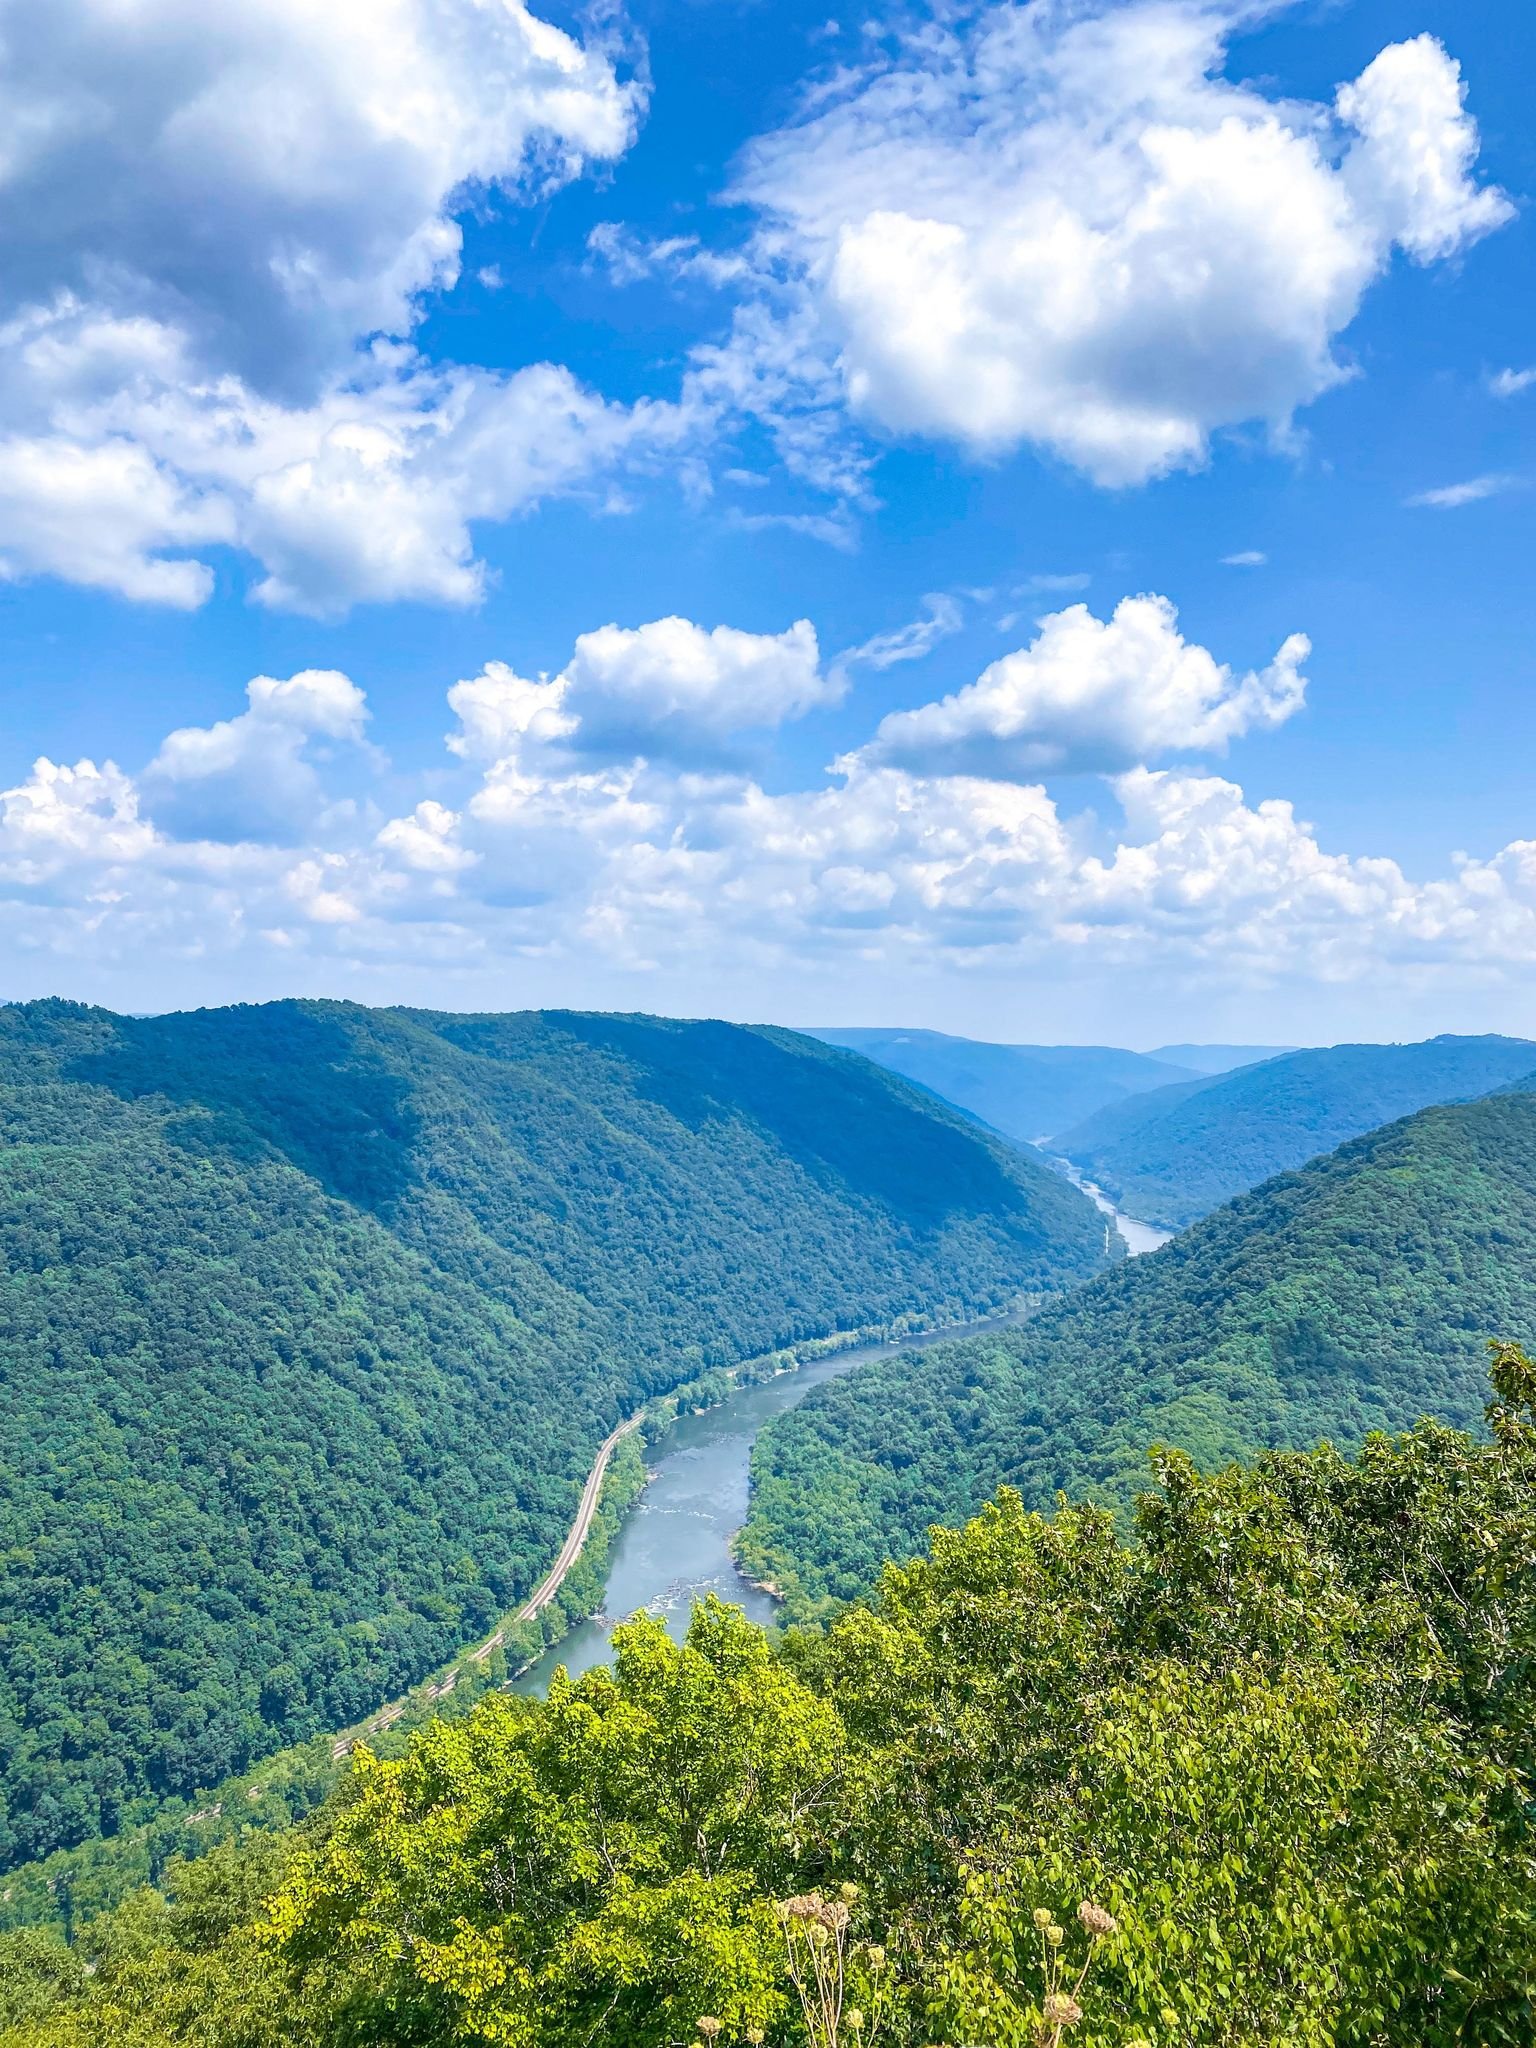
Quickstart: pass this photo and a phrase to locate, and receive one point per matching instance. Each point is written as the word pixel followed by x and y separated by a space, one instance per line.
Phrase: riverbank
pixel 674 1548
pixel 1138 1237
pixel 75 1884
pixel 678 1543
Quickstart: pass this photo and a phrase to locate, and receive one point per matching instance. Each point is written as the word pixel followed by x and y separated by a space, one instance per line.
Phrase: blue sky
pixel 575 360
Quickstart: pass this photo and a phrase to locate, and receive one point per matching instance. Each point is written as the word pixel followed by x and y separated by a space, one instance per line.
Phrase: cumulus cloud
pixel 273 178
pixel 427 840
pixel 1200 866
pixel 1066 227
pixel 534 854
pixel 117 461
pixel 103 514
pixel 61 817
pixel 670 689
pixel 217 230
pixel 673 683
pixel 1409 169
pixel 1092 694
pixel 252 777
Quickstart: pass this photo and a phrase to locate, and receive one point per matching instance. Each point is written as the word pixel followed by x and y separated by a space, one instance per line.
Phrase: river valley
pixel 674 1547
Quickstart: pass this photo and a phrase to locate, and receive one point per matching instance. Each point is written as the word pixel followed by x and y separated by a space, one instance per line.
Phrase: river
pixel 674 1546
pixel 1139 1237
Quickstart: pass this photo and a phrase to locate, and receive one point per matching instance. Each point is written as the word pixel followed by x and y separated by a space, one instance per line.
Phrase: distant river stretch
pixel 674 1547
pixel 1139 1237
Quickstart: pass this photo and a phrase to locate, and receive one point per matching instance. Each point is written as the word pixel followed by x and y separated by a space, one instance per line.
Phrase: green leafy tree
pixel 1261 1777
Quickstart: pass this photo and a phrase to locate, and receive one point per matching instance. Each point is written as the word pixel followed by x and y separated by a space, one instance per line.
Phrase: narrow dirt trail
pixel 536 1602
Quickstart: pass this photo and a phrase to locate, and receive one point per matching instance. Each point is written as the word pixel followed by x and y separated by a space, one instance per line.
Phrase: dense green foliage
pixel 73 1885
pixel 1172 1155
pixel 1354 1295
pixel 1027 1091
pixel 1264 1778
pixel 312 1318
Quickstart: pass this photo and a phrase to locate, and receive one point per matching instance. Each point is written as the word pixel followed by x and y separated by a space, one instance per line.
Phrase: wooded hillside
pixel 313 1318
pixel 1357 1294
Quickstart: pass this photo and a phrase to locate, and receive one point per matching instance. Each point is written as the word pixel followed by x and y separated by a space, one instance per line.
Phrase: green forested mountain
pixel 1027 1091
pixel 1172 1155
pixel 1354 1295
pixel 1261 1779
pixel 311 1318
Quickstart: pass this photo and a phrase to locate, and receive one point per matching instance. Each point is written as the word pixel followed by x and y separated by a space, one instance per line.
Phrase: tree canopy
pixel 1262 1776
pixel 1173 1154
pixel 1356 1294
pixel 1026 1091
pixel 312 1318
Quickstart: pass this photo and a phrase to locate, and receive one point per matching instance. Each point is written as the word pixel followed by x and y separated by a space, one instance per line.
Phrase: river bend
pixel 674 1546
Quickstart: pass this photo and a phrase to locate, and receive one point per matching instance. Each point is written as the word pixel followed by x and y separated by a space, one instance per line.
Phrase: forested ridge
pixel 1026 1091
pixel 314 1316
pixel 1356 1294
pixel 1261 1778
pixel 1172 1154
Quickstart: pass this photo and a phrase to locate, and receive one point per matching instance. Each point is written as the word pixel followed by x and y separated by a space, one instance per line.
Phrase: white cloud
pixel 498 710
pixel 629 258
pixel 1094 694
pixel 674 683
pixel 317 889
pixel 942 616
pixel 274 178
pixel 519 852
pixel 880 861
pixel 1410 168
pixel 1450 497
pixel 624 870
pixel 1063 226
pixel 208 221
pixel 63 817
pixel 834 530
pixel 102 514
pixel 1510 383
pixel 427 840
pixel 116 460
pixel 1246 558
pixel 1201 868
pixel 670 689
pixel 252 777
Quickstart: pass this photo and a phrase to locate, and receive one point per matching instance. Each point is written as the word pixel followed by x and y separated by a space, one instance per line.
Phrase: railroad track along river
pixel 537 1601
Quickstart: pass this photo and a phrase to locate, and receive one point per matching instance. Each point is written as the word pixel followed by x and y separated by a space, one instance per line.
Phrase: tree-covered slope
pixel 311 1319
pixel 1356 1294
pixel 1262 1778
pixel 1173 1155
pixel 1028 1091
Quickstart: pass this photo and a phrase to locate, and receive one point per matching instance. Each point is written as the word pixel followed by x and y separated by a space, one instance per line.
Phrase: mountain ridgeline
pixel 1354 1295
pixel 1174 1153
pixel 314 1317
pixel 1217 1059
pixel 1025 1091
